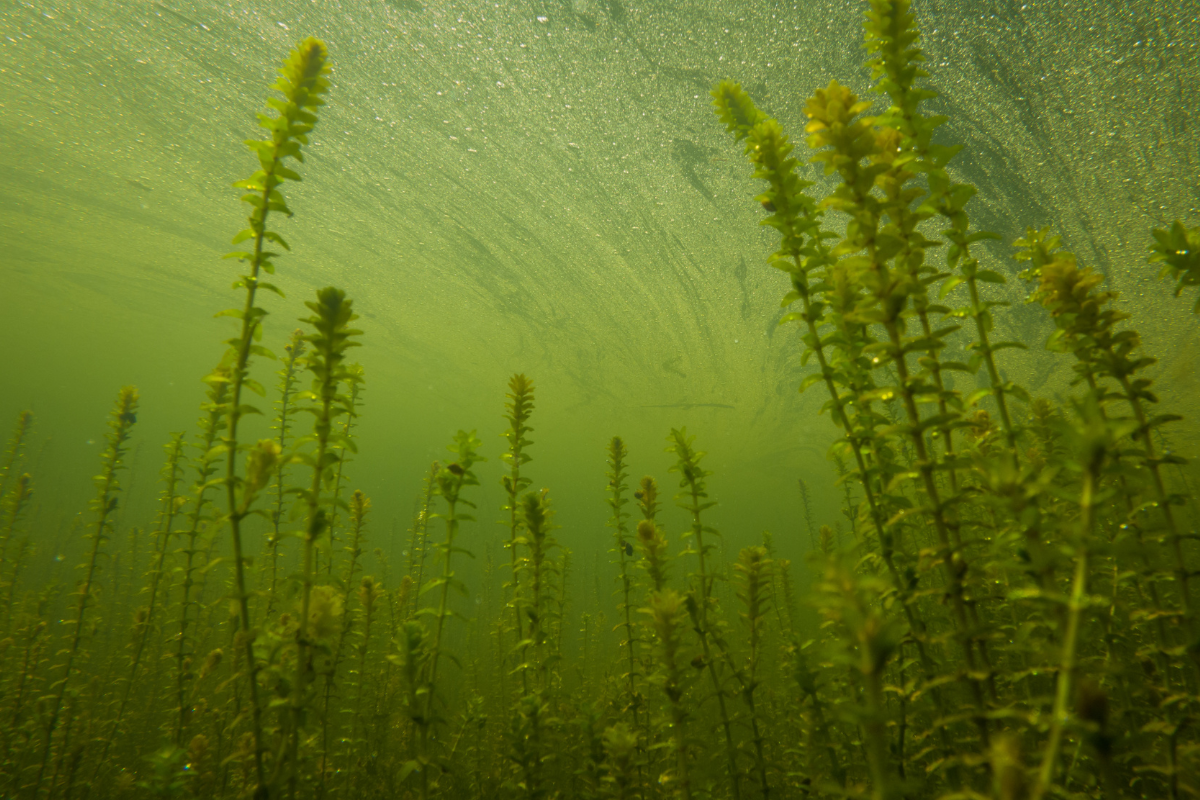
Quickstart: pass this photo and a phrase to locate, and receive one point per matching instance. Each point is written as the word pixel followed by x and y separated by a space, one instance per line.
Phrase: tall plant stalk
pixel 617 521
pixel 331 338
pixel 293 354
pixel 694 500
pixel 451 480
pixel 1094 450
pixel 354 386
pixel 207 464
pixel 418 549
pixel 171 502
pixel 120 424
pixel 359 506
pixel 530 750
pixel 518 408
pixel 302 81
pixel 666 610
pixel 14 449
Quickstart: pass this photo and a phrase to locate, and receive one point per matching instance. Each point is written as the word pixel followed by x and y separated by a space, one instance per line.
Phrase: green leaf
pixel 809 380
pixel 275 237
pixel 977 395
pixel 408 769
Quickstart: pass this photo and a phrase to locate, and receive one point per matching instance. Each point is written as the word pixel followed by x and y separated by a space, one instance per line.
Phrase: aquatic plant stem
pixel 755 569
pixel 982 319
pixel 893 40
pixel 331 338
pixel 1182 573
pixel 167 520
pixel 530 752
pixel 952 565
pixel 616 501
pixel 335 503
pixel 691 477
pixel 302 81
pixel 207 465
pixel 120 423
pixel 450 482
pixel 519 407
pixel 426 729
pixel 665 610
pixel 802 253
pixel 287 386
pixel 17 499
pixel 235 516
pixel 14 448
pixel 1078 601
pixel 359 506
pixel 421 535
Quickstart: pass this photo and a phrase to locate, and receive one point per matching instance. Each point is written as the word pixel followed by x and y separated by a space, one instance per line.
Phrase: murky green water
pixel 540 188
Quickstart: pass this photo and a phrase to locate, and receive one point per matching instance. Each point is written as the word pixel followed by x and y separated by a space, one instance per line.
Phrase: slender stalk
pixel 450 482
pixel 288 377
pixel 206 467
pixel 332 314
pixel 120 423
pixel 518 408
pixel 616 501
pixel 302 81
pixel 354 386
pixel 170 506
pixel 14 449
pixel 754 570
pixel 16 502
pixel 419 549
pixel 666 613
pixel 694 500
pixel 1078 602
pixel 531 753
pixel 359 506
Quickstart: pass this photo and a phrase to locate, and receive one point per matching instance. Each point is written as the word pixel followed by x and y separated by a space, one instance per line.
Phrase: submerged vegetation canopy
pixel 1003 606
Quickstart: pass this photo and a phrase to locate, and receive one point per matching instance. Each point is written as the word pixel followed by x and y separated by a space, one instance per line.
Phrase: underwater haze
pixel 935 531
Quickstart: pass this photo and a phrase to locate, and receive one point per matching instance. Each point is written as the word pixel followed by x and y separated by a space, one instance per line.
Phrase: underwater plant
pixel 15 449
pixel 360 505
pixel 960 497
pixel 1178 249
pixel 418 547
pixel 206 464
pixel 120 426
pixel 666 610
pixel 13 506
pixel 302 81
pixel 423 650
pixel 517 411
pixel 1001 608
pixel 753 575
pixel 354 380
pixel 331 338
pixel 616 501
pixel 172 501
pixel 531 721
pixel 289 379
pixel 693 498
